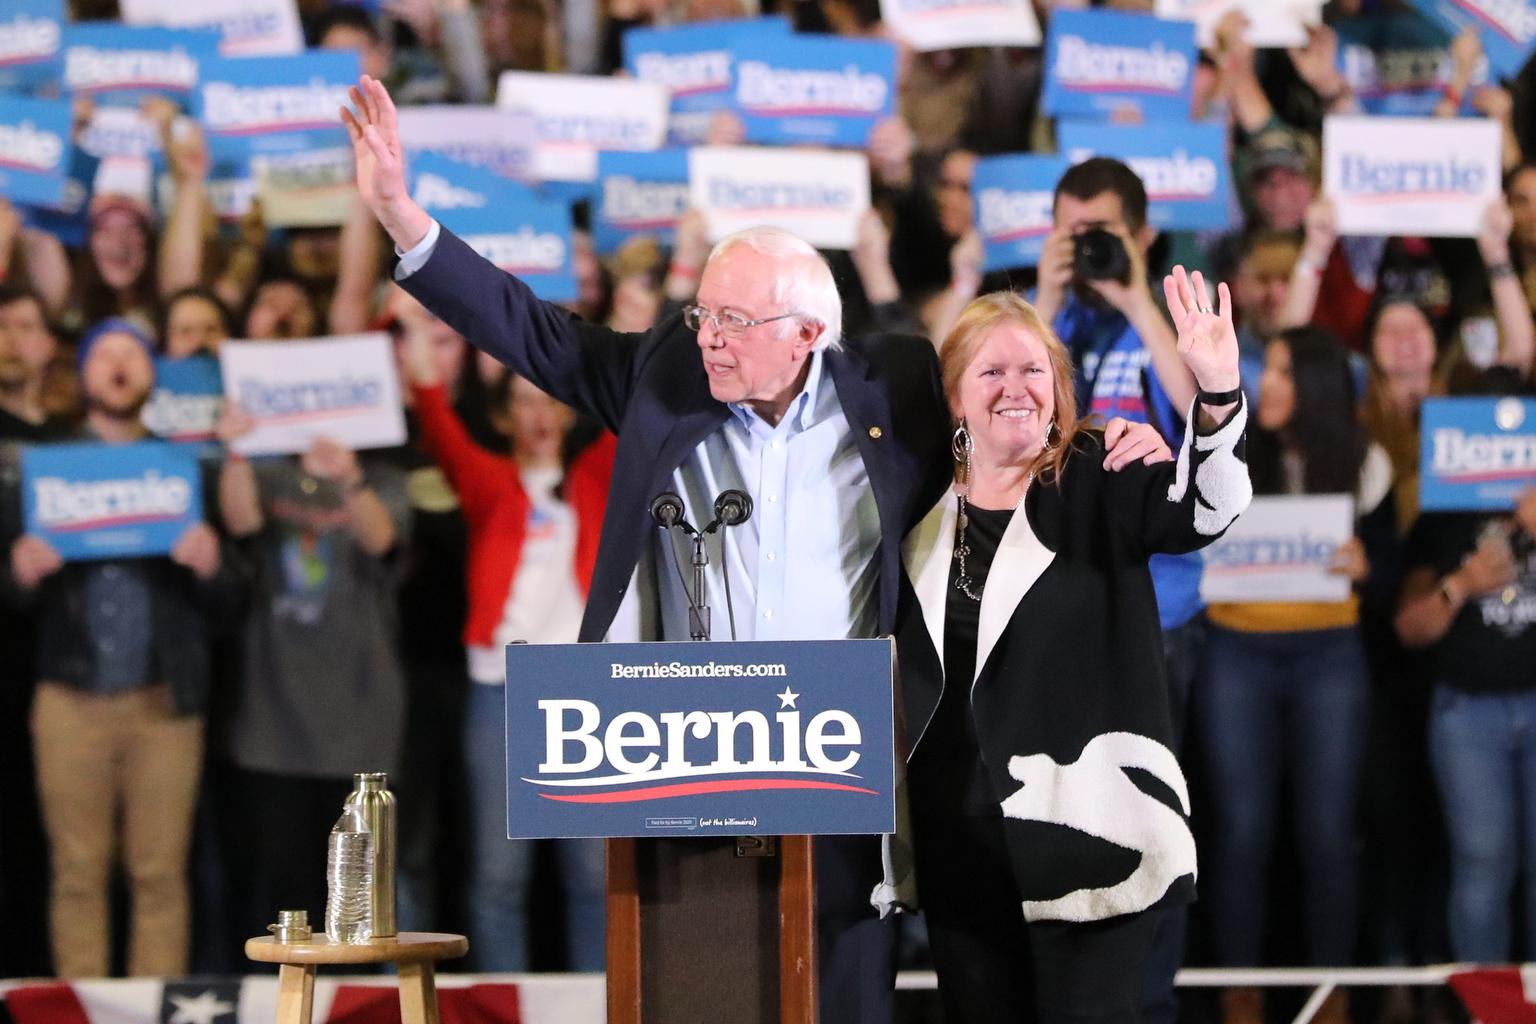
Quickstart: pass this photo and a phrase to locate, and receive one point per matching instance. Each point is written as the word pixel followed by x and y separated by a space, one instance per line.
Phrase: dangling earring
pixel 1050 445
pixel 960 447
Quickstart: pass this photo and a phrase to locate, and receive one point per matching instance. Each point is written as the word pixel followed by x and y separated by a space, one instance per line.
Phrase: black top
pixel 1070 705
pixel 1491 644
pixel 952 777
pixel 14 428
pixel 16 664
pixel 433 595
pixel 16 433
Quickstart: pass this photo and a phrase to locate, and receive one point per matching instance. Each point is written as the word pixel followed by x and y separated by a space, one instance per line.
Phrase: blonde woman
pixel 1049 810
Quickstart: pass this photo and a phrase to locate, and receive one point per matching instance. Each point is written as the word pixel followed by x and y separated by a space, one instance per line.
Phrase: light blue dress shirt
pixel 805 566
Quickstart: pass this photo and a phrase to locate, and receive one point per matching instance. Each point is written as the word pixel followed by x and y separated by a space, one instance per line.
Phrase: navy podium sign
pixel 677 739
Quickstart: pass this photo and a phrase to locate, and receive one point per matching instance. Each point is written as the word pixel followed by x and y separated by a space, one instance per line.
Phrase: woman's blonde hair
pixel 979 319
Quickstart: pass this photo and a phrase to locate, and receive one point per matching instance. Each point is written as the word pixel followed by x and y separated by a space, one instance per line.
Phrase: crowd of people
pixel 179 732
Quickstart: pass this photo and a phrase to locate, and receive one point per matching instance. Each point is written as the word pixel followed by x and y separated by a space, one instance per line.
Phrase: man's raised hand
pixel 375 133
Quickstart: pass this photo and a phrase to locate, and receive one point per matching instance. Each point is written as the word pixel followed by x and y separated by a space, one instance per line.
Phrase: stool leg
pixel 295 993
pixel 418 993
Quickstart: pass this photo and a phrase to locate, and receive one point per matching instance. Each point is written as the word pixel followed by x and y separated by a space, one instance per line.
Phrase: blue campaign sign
pixel 1183 166
pixel 641 194
pixel 814 89
pixel 256 105
pixel 1398 63
pixel 68 219
pixel 110 500
pixel 121 133
pixel 231 189
pixel 1507 27
pixel 122 64
pixel 187 400
pixel 1013 207
pixel 1099 61
pixel 31 40
pixel 568 193
pixel 440 183
pixel 694 62
pixel 34 150
pixel 1476 453
pixel 679 739
pixel 509 224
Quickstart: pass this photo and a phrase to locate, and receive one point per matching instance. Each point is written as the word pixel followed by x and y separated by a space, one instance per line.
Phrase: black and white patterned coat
pixel 1069 698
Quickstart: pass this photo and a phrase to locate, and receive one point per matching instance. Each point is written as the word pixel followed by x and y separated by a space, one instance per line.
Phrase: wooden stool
pixel 415 954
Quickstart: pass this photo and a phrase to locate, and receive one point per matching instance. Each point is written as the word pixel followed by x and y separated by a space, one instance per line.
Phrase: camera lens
pixel 1099 255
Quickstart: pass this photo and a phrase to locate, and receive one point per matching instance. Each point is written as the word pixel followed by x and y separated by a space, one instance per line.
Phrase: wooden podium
pixel 694 925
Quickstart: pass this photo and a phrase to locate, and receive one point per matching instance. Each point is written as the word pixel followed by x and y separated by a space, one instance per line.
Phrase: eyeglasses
pixel 732 325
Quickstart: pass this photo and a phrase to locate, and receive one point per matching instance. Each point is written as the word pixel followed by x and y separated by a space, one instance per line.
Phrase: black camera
pixel 1099 255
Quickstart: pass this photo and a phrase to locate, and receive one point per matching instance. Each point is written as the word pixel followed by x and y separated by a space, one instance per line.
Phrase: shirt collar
pixel 804 408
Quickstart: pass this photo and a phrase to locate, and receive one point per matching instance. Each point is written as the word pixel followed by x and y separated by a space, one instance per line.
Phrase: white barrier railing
pixel 579 998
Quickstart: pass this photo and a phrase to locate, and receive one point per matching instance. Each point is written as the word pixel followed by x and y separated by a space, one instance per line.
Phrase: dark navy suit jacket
pixel 651 390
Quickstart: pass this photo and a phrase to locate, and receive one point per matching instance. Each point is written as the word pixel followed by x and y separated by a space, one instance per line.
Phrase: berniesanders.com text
pixel 683 670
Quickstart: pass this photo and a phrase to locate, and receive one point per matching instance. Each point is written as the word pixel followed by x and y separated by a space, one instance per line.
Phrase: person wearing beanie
pixel 122 674
pixel 110 327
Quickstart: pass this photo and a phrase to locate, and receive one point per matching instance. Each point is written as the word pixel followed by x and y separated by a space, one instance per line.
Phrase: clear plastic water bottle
pixel 349 879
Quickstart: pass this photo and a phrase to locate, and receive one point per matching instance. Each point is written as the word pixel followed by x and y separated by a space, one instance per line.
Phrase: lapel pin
pixel 875 432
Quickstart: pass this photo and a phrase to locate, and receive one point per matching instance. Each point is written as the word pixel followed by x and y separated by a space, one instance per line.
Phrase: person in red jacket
pixel 533 529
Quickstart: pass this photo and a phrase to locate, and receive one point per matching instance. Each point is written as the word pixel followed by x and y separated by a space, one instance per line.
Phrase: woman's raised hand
pixel 1207 339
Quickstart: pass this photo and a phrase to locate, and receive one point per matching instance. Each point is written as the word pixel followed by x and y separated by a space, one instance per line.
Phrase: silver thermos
pixel 371 795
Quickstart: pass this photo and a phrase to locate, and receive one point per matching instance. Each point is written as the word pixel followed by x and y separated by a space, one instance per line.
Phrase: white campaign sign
pixel 577 115
pixel 817 195
pixel 943 24
pixel 1279 550
pixel 1271 23
pixel 315 188
pixel 344 388
pixel 250 27
pixel 503 141
pixel 1411 176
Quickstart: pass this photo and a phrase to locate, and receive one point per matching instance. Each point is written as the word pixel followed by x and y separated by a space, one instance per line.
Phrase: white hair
pixel 803 283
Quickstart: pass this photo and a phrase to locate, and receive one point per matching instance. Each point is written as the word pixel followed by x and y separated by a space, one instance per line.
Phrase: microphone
pixel 667 511
pixel 733 507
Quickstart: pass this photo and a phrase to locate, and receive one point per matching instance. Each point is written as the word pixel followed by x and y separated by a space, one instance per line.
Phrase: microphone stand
pixel 732 508
pixel 698 610
pixel 667 511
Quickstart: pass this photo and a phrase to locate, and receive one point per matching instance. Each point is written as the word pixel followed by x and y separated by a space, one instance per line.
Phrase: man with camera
pixel 1093 290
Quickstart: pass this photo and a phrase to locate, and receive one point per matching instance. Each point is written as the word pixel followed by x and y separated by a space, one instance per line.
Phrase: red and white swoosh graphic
pixel 696 788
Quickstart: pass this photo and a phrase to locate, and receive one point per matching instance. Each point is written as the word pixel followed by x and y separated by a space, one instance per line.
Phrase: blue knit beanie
pixel 112 325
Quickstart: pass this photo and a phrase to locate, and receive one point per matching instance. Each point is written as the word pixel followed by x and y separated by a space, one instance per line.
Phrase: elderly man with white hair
pixel 843 444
